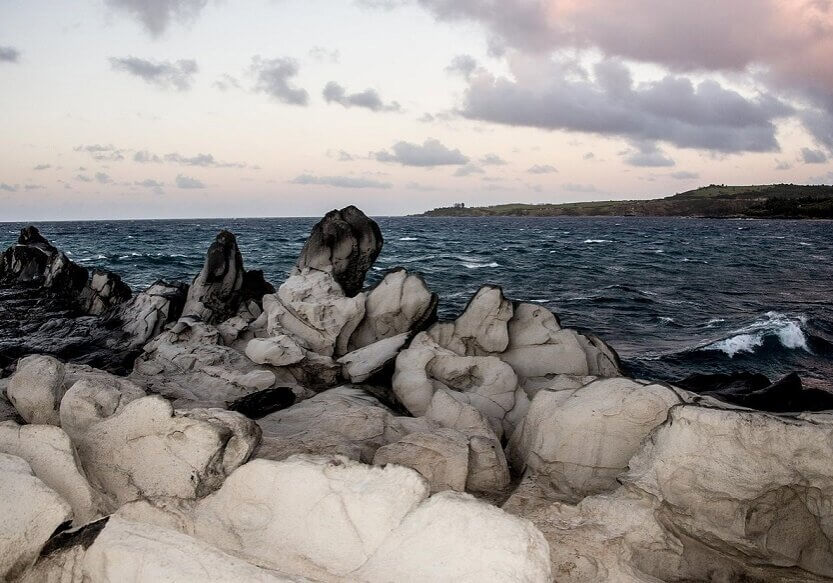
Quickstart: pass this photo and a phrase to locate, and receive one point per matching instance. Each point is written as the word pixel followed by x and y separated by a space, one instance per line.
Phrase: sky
pixel 221 108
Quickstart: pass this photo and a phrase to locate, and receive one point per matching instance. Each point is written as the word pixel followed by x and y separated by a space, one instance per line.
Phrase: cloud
pixel 8 187
pixel 325 55
pixel 9 55
pixel 156 15
pixel 177 75
pixel 813 156
pixel 83 178
pixel 563 95
pixel 226 82
pixel 102 152
pixel 588 156
pixel 42 167
pixel 463 65
pixel 783 165
pixel 340 181
pixel 468 170
pixel 431 153
pixel 272 76
pixel 188 182
pixel 151 184
pixel 369 98
pixel 684 175
pixel 201 160
pixel 647 154
pixel 103 178
pixel 541 169
pixel 824 179
pixel 29 187
pixel 492 160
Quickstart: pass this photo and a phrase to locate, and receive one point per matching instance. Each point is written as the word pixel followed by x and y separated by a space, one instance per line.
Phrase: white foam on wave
pixel 598 241
pixel 481 265
pixel 787 329
pixel 409 238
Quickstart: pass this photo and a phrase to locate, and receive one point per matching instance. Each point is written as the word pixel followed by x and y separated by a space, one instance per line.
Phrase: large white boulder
pixel 362 363
pixel 36 389
pixel 49 453
pixel 333 519
pixel 147 451
pixel 92 399
pixel 279 350
pixel 401 302
pixel 30 512
pixel 344 420
pixel 581 440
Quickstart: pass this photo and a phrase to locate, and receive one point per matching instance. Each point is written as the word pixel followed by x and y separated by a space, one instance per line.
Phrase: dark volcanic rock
pixel 755 391
pixel 216 292
pixel 346 242
pixel 255 286
pixel 261 403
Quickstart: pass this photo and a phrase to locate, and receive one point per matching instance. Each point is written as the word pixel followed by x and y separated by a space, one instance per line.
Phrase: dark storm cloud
pixel 273 76
pixel 431 153
pixel 177 75
pixel 9 55
pixel 368 99
pixel 188 182
pixel 340 181
pixel 813 156
pixel 157 15
pixel 673 109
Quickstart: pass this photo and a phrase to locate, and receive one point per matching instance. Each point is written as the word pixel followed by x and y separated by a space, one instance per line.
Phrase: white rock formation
pixel 441 457
pixel 30 511
pixel 288 515
pixel 400 302
pixel 146 451
pixel 362 363
pixel 50 455
pixel 92 399
pixel 279 350
pixel 581 440
pixel 145 315
pixel 36 389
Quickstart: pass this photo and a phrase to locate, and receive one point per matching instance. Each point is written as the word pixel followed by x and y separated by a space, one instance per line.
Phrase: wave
pixel 597 241
pixel 787 330
pixel 481 265
pixel 409 238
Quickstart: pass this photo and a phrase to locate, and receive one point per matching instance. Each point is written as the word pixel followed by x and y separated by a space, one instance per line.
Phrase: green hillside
pixel 789 201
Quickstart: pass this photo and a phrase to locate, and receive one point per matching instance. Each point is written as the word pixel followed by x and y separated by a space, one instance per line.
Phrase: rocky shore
pixel 319 431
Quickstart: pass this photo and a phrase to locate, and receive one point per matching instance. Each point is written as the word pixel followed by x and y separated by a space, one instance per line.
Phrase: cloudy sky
pixel 221 108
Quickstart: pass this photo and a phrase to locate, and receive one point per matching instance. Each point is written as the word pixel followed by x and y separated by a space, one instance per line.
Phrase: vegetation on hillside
pixel 716 200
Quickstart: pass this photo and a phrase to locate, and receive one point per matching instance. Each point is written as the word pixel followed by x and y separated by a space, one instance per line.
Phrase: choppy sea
pixel 673 296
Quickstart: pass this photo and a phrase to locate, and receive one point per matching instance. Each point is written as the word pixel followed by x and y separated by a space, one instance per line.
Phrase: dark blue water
pixel 673 296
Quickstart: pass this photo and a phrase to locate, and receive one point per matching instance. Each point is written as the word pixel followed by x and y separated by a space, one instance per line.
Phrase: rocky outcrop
pixel 216 292
pixel 344 244
pixel 386 526
pixel 31 512
pixel 578 441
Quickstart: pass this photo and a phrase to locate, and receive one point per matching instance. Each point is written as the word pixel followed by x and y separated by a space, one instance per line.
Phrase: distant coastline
pixel 771 201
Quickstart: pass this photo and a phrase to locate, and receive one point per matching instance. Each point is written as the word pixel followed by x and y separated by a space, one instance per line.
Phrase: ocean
pixel 673 296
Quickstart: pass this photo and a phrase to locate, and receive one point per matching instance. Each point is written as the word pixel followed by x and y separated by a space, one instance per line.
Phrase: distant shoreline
pixel 773 201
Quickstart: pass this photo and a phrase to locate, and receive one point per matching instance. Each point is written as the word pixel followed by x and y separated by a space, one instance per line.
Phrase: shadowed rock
pixel 262 403
pixel 755 391
pixel 346 243
pixel 216 293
